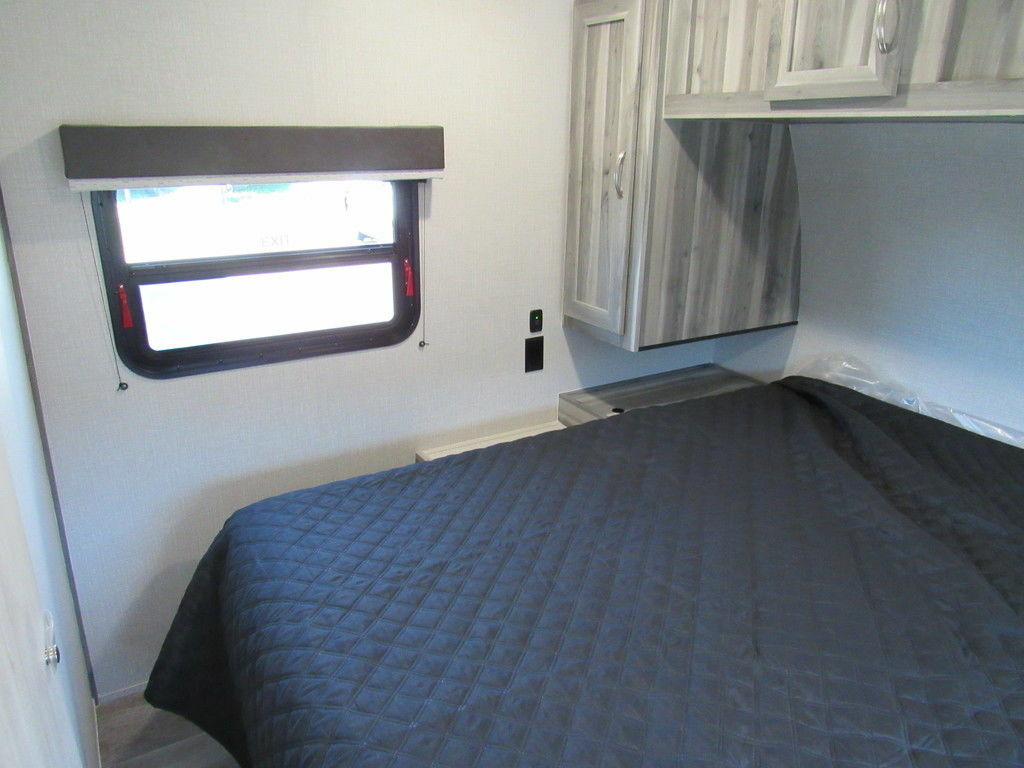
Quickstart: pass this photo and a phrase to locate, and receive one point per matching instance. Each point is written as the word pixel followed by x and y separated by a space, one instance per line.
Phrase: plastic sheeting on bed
pixel 849 372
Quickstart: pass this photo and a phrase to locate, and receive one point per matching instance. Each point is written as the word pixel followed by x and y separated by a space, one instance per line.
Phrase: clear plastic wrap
pixel 852 373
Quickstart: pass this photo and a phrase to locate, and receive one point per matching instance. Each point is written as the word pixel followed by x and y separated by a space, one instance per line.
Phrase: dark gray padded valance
pixel 114 157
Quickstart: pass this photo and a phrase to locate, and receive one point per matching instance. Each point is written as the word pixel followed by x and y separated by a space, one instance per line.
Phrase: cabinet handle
pixel 885 37
pixel 617 179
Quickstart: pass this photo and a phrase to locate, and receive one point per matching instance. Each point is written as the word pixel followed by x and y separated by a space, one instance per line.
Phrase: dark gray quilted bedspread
pixel 790 575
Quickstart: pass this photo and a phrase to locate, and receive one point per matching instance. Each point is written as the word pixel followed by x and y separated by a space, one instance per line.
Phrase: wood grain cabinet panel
pixel 983 40
pixel 605 92
pixel 844 59
pixel 725 251
pixel 836 49
pixel 711 242
pixel 716 48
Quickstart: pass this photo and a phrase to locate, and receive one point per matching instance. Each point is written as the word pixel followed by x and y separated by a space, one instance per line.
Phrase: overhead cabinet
pixel 683 212
pixel 676 231
pixel 605 100
pixel 844 59
pixel 836 49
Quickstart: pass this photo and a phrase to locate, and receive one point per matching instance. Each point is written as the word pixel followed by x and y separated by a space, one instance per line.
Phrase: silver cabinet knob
pixel 51 655
pixel 51 651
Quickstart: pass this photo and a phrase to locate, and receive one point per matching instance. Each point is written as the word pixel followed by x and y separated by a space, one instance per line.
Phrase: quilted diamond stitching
pixel 709 584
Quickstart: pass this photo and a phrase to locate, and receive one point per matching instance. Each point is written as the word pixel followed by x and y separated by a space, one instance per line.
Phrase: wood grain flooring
pixel 135 735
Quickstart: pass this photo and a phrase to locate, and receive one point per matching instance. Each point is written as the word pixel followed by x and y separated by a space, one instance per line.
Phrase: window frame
pixel 132 342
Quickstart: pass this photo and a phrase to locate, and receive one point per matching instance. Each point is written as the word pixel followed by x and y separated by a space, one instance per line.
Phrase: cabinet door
pixel 836 49
pixel 605 84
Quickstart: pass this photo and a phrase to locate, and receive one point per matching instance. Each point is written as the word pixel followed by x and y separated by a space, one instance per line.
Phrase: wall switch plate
pixel 536 320
pixel 534 353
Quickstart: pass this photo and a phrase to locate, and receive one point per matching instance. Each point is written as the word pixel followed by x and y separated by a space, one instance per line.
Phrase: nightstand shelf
pixel 585 405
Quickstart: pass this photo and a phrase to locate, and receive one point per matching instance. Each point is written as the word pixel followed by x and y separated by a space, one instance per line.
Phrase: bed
pixel 788 575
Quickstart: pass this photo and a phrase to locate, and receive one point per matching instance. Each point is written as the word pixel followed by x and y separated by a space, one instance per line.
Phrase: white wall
pixel 913 261
pixel 146 477
pixel 36 723
pixel 46 714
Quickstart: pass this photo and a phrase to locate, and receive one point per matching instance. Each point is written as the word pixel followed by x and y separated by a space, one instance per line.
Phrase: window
pixel 203 278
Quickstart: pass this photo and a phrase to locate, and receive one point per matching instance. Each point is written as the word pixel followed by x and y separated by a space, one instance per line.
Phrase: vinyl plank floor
pixel 198 751
pixel 134 734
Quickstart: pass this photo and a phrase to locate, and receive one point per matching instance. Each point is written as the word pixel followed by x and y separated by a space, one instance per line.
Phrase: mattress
pixel 788 575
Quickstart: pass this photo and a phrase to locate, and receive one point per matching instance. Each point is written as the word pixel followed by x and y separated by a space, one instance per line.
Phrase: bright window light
pixel 200 222
pixel 191 313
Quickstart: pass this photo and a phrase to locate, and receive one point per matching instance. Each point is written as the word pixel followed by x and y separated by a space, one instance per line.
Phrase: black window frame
pixel 122 281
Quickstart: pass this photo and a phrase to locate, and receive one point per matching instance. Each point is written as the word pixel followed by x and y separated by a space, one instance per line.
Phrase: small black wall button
pixel 536 320
pixel 534 353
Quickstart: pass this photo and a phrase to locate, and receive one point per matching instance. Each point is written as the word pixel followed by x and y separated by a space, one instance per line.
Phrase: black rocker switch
pixel 536 320
pixel 534 353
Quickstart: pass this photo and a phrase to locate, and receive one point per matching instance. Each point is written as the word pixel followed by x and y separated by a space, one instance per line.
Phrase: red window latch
pixel 410 285
pixel 126 311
